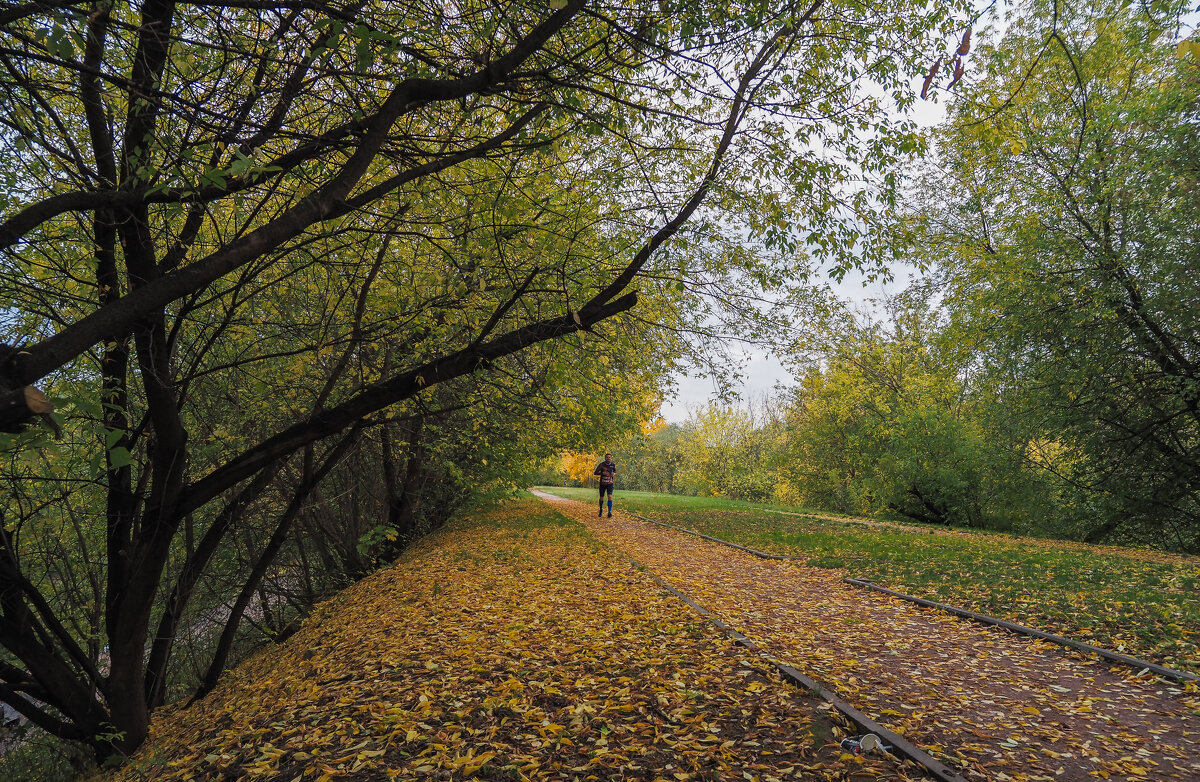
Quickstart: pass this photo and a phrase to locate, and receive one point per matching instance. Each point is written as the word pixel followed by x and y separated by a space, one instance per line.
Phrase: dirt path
pixel 993 704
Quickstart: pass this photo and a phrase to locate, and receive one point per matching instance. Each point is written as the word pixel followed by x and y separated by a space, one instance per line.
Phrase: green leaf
pixel 119 457
pixel 1186 48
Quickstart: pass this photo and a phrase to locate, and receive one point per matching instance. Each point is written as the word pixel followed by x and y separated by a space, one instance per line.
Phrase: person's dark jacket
pixel 607 472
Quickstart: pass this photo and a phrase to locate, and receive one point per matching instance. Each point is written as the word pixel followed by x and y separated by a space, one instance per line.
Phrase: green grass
pixel 647 501
pixel 1132 601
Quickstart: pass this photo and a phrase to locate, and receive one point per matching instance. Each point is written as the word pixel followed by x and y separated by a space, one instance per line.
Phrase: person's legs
pixel 604 489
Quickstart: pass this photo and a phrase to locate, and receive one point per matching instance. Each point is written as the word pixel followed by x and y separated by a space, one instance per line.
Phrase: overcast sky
pixel 764 372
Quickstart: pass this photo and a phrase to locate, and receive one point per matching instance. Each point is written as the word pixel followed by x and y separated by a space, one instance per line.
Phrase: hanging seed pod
pixel 930 77
pixel 965 45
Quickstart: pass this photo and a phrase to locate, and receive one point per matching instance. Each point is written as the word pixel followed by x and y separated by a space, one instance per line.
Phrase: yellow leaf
pixel 478 762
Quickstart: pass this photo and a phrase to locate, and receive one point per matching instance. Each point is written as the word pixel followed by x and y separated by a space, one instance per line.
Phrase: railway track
pixel 1012 627
pixel 899 745
pixel 971 700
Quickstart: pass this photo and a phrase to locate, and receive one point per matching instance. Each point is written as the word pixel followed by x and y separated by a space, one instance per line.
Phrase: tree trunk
pixel 402 509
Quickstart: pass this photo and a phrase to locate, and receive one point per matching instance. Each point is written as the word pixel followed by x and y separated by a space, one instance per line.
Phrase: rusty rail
pixel 900 745
pixel 1117 657
pixel 1124 659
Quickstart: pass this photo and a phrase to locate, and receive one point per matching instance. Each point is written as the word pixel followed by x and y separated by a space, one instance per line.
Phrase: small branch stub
pixel 37 402
pixel 20 405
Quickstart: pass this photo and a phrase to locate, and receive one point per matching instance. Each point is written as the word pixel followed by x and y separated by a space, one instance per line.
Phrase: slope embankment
pixel 513 645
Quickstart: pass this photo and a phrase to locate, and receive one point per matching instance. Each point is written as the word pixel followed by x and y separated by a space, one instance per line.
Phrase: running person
pixel 607 470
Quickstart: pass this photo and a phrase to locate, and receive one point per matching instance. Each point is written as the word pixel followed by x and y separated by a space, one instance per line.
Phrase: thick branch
pixel 19 406
pixel 116 319
pixel 395 389
pixel 18 12
pixel 408 94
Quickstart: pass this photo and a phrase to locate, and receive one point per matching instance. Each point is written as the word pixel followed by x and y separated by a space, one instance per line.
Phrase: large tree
pixel 1062 223
pixel 236 236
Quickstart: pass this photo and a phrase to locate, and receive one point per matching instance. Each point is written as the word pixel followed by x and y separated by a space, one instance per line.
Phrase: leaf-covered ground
pixel 1142 603
pixel 514 645
pixel 995 705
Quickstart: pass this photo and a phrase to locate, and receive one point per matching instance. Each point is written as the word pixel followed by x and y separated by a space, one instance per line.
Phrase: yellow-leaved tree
pixel 579 465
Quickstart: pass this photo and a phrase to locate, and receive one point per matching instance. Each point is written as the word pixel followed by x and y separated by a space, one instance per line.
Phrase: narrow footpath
pixel 991 704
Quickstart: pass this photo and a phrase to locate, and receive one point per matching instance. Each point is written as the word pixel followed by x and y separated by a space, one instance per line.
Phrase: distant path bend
pixel 989 703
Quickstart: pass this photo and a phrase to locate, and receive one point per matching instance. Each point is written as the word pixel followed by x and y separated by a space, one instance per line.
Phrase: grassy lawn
pixel 1137 602
pixel 648 502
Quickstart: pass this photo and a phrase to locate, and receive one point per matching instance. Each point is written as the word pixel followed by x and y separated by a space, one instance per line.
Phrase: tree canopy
pixel 1060 224
pixel 1039 373
pixel 246 246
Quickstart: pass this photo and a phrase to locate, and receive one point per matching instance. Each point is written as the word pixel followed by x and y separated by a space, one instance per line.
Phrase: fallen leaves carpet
pixel 513 645
pixel 989 703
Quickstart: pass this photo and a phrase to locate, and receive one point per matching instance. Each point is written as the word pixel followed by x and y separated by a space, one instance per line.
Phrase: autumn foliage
pixel 511 646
